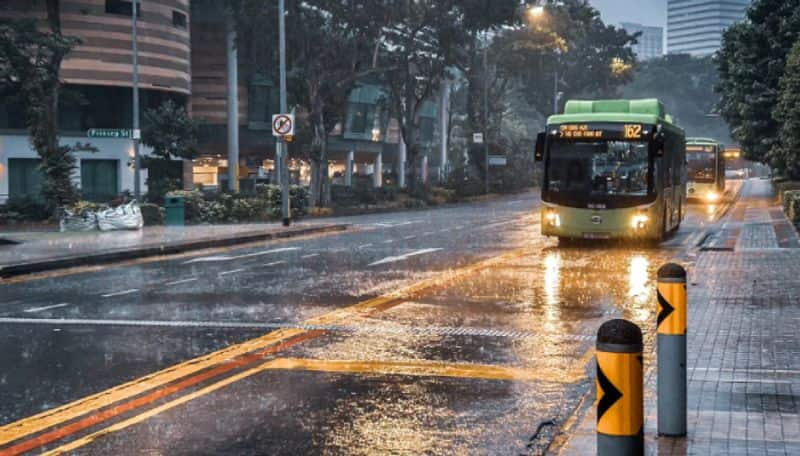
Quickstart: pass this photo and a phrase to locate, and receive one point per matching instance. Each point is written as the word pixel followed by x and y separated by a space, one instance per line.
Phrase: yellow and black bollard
pixel 620 401
pixel 672 350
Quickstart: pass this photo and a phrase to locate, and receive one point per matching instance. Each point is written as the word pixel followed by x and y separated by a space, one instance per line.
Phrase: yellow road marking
pixel 72 446
pixel 424 368
pixel 412 368
pixel 36 423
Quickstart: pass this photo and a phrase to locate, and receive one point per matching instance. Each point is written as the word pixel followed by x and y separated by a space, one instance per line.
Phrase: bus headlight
pixel 552 218
pixel 712 197
pixel 639 221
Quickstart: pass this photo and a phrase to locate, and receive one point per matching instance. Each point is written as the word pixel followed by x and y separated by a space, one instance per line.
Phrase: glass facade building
pixel 696 26
pixel 650 43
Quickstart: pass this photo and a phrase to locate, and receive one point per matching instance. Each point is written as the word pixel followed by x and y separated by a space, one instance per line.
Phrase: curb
pixel 114 256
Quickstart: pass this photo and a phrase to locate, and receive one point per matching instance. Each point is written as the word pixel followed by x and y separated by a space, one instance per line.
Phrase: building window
pixel 262 104
pixel 359 117
pixel 178 19
pixel 123 7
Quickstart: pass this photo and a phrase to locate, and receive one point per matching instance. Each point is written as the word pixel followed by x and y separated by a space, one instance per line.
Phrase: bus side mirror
pixel 538 154
pixel 660 144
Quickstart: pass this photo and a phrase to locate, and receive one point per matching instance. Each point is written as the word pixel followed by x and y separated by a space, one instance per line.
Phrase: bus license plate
pixel 597 235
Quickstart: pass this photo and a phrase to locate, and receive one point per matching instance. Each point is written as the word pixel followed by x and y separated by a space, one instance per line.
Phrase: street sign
pixel 283 125
pixel 112 133
pixel 498 160
pixel 477 138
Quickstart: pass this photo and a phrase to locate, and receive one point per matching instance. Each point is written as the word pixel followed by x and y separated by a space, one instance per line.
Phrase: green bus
pixel 706 167
pixel 613 169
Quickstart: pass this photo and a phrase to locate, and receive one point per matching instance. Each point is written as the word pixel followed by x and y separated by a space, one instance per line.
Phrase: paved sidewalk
pixel 744 345
pixel 60 248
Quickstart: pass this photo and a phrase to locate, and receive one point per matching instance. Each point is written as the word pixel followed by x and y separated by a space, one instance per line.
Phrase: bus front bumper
pixel 628 223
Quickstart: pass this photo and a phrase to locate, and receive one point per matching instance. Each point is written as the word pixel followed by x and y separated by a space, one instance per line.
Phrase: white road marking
pixel 41 309
pixel 364 246
pixel 310 256
pixel 120 293
pixel 275 263
pixel 180 282
pixel 408 238
pixel 394 259
pixel 388 241
pixel 213 259
pixel 428 233
pixel 235 271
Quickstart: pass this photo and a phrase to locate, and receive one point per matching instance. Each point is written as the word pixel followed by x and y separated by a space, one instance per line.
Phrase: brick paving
pixel 744 346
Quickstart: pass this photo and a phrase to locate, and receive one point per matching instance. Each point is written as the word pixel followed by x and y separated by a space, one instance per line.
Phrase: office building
pixel 650 43
pixel 696 26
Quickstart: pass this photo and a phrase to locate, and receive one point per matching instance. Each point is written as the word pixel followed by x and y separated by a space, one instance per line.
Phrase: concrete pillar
pixel 444 126
pixel 378 174
pixel 401 164
pixel 348 172
pixel 232 61
pixel 424 173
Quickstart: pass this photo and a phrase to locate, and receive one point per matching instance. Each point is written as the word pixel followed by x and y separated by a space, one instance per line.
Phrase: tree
pixel 685 85
pixel 751 63
pixel 30 63
pixel 170 133
pixel 788 113
pixel 421 43
pixel 570 40
pixel 332 47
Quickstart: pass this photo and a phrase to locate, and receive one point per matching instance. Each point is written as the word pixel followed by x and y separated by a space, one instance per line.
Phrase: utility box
pixel 176 212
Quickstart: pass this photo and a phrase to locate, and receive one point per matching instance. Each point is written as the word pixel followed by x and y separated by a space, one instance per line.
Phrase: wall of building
pixel 104 56
pixel 696 26
pixel 121 150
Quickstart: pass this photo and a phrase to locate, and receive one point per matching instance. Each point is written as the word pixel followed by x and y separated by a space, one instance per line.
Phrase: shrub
pixel 465 182
pixel 26 209
pixel 153 214
pixel 791 205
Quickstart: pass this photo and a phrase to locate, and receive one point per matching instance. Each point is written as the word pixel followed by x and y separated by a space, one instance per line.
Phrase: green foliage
pixel 791 205
pixel 751 64
pixel 685 85
pixel 170 132
pixel 226 208
pixel 787 156
pixel 153 214
pixel 465 182
pixel 30 62
pixel 26 209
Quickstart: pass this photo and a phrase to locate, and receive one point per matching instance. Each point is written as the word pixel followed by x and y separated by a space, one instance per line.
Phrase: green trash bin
pixel 176 212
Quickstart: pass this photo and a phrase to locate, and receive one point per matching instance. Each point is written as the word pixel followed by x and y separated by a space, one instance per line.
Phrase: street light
pixel 535 11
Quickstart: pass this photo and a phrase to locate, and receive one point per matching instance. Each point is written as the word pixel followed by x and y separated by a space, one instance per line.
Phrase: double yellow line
pixel 224 360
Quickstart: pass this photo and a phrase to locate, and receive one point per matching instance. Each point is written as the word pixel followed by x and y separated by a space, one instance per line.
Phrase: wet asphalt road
pixel 476 365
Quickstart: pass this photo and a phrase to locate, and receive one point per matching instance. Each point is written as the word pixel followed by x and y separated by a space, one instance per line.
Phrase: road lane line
pixel 181 282
pixel 388 241
pixel 233 271
pixel 274 263
pixel 408 238
pixel 409 368
pixel 120 293
pixel 51 418
pixel 42 309
pixel 425 368
pixel 394 259
pixel 313 255
pixel 219 258
pixel 428 233
pixel 364 246
pixel 158 394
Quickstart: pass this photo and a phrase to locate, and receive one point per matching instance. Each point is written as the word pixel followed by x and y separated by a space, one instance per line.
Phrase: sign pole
pixel 286 209
pixel 137 165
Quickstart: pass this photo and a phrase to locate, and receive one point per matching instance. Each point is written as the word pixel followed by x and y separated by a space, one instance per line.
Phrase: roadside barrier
pixel 620 405
pixel 672 323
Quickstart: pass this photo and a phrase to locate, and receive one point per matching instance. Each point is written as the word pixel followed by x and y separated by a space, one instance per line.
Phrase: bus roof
pixel 647 111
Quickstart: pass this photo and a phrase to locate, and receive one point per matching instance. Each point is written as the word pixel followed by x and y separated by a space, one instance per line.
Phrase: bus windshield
pixel 598 169
pixel 702 166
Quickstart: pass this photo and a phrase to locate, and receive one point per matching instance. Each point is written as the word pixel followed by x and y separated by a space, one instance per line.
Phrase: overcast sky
pixel 647 12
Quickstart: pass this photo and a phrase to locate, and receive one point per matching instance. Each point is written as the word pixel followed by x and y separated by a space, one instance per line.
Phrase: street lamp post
pixel 486 114
pixel 135 134
pixel 283 176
